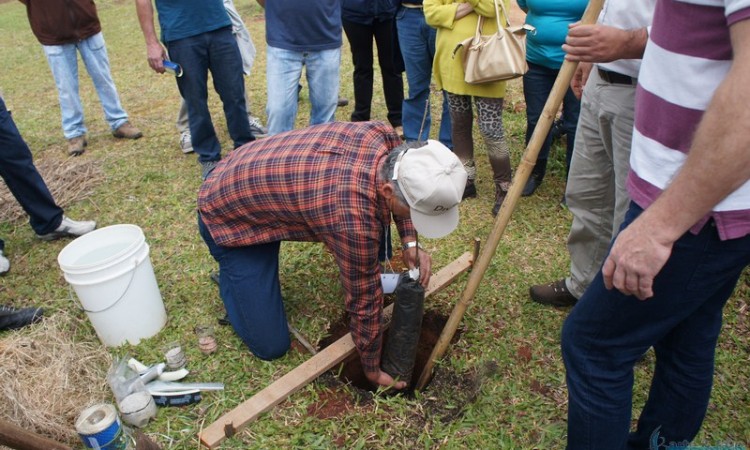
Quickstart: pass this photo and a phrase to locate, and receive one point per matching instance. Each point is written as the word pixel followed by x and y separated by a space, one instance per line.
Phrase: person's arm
pixel 413 258
pixel 154 50
pixel 441 13
pixel 580 77
pixel 602 43
pixel 262 3
pixel 718 164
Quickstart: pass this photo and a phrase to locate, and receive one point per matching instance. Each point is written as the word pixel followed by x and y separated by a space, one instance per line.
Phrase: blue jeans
pixel 23 180
pixel 63 61
pixel 283 72
pixel 537 84
pixel 250 289
pixel 214 51
pixel 607 332
pixel 417 42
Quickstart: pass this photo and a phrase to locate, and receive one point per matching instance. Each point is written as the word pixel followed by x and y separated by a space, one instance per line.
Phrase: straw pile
pixel 69 181
pixel 47 379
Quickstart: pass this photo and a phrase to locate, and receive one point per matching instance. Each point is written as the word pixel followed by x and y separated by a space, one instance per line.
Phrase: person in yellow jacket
pixel 456 21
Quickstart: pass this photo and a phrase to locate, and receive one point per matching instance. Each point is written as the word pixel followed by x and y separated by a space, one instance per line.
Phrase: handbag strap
pixel 480 22
pixel 497 14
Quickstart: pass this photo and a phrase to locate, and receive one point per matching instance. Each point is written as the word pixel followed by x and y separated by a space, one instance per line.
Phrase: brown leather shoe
pixel 77 145
pixel 127 131
pixel 554 294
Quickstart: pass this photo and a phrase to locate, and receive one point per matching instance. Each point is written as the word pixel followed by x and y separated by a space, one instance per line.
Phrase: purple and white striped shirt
pixel 687 57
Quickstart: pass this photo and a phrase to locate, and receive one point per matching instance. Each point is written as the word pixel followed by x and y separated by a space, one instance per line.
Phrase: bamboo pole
pixel 509 204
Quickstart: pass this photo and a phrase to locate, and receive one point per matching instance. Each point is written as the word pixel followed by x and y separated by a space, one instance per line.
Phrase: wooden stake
pixel 16 437
pixel 503 217
pixel 303 374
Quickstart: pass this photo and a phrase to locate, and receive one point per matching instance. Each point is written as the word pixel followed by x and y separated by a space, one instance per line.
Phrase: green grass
pixel 521 404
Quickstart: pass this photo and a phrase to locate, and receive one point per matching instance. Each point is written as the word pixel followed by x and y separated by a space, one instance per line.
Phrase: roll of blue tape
pixel 99 427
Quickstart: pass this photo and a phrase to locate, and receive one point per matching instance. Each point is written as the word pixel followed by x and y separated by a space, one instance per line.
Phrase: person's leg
pixel 94 54
pixel 683 376
pixel 63 61
pixel 360 41
pixel 537 84
pixel 225 64
pixel 571 111
pixel 596 193
pixel 193 55
pixel 322 69
pixel 462 119
pixel 283 71
pixel 251 292
pixel 22 178
pixel 429 34
pixel 415 49
pixel 183 124
pixel 393 82
pixel 490 119
pixel 607 332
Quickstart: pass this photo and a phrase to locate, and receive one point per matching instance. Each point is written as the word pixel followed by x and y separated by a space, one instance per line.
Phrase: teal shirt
pixel 551 19
pixel 181 19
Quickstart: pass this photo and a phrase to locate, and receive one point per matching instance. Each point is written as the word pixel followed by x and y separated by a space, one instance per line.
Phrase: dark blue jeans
pixel 23 180
pixel 417 42
pixel 537 85
pixel 607 332
pixel 250 289
pixel 214 51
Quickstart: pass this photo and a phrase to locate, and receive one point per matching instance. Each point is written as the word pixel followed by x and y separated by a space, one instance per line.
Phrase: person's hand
pixel 425 264
pixel 156 55
pixel 381 378
pixel 580 77
pixel 463 10
pixel 595 43
pixel 637 256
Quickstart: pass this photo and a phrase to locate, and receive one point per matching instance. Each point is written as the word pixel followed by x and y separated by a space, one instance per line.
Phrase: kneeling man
pixel 336 183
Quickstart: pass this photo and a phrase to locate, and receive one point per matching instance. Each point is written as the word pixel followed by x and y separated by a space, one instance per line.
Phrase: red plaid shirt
pixel 316 184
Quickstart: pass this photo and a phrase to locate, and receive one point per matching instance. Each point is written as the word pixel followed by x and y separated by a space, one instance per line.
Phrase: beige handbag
pixel 497 57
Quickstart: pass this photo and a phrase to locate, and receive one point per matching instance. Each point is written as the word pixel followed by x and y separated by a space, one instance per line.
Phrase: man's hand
pixel 383 379
pixel 601 43
pixel 580 78
pixel 424 264
pixel 637 256
pixel 156 56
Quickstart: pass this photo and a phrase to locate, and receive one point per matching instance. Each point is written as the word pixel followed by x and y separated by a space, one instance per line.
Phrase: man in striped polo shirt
pixel 685 240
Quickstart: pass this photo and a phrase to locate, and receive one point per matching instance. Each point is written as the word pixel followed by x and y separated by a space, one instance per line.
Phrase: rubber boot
pixel 502 173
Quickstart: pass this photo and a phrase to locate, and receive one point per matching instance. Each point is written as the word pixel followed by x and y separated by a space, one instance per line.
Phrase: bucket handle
pixel 127 288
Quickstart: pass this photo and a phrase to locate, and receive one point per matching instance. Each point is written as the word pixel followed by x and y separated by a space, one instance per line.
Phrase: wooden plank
pixel 233 421
pixel 16 437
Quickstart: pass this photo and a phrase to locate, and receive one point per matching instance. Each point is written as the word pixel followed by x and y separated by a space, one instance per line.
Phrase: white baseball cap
pixel 432 179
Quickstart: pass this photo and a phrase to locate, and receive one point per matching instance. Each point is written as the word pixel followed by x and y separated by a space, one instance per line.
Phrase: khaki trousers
pixel 596 192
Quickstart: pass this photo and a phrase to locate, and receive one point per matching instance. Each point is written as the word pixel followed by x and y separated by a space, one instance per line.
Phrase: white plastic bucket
pixel 111 273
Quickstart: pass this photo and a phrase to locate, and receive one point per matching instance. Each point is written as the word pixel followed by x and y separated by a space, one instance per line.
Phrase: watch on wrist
pixel 409 245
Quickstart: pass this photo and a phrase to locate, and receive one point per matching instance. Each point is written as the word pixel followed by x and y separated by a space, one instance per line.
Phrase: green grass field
pixel 508 348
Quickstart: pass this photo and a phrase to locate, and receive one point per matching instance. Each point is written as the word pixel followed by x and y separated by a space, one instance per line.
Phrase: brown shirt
pixel 58 22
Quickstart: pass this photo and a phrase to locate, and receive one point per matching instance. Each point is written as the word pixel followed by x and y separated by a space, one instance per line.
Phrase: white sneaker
pixel 4 264
pixel 256 127
pixel 69 227
pixel 186 142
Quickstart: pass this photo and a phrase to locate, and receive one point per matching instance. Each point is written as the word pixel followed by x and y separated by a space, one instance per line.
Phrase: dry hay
pixel 70 180
pixel 48 378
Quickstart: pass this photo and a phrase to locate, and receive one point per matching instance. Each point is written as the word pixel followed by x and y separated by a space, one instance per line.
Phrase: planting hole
pixel 350 370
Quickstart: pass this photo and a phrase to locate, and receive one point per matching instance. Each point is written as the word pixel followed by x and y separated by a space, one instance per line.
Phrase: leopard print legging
pixel 490 120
